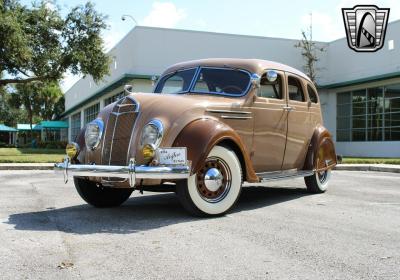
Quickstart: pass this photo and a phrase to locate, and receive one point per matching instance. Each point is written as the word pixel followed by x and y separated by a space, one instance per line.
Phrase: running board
pixel 266 177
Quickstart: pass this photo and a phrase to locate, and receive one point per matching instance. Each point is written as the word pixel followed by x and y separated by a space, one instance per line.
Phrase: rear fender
pixel 321 153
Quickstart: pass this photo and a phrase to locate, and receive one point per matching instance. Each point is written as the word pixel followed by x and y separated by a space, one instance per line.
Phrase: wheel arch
pixel 321 150
pixel 200 136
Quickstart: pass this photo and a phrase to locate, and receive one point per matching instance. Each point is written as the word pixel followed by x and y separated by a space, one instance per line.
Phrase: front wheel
pixel 99 196
pixel 318 182
pixel 215 188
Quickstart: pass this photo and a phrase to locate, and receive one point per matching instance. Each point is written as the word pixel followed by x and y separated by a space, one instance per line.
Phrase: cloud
pixel 111 38
pixel 164 14
pixel 325 28
pixel 392 4
pixel 328 27
pixel 68 81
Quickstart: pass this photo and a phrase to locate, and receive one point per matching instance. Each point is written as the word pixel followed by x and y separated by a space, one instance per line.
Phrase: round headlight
pixel 93 133
pixel 152 133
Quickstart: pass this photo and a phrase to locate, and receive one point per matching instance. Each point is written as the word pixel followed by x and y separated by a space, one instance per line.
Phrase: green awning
pixel 4 128
pixel 54 124
pixel 27 127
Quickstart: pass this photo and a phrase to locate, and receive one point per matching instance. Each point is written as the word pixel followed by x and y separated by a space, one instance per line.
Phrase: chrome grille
pixel 118 131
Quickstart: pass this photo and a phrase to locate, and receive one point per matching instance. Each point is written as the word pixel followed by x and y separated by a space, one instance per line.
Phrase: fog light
pixel 72 150
pixel 149 151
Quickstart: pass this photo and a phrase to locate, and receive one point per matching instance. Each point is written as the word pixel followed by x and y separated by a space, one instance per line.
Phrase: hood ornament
pixel 128 89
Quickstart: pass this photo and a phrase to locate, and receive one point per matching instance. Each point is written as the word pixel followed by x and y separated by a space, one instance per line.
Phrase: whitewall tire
pixel 318 182
pixel 215 188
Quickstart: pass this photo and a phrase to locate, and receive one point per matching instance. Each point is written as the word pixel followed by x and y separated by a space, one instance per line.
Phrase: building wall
pixel 148 51
pixel 356 148
pixel 343 64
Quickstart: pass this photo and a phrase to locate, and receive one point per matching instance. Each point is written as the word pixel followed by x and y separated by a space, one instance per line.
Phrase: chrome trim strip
pixel 127 172
pixel 123 113
pixel 235 117
pixel 267 177
pixel 228 112
pixel 125 105
pixel 112 138
pixel 133 128
pixel 117 114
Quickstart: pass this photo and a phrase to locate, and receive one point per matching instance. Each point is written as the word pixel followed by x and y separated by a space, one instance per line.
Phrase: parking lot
pixel 279 232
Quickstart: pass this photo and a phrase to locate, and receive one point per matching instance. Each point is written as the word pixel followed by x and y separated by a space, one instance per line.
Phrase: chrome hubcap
pixel 213 179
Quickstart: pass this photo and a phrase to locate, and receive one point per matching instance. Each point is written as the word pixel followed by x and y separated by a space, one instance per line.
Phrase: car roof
pixel 251 65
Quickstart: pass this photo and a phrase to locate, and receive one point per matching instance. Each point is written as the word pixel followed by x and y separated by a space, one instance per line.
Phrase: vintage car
pixel 209 128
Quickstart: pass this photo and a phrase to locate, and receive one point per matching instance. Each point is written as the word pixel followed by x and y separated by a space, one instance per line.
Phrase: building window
pixel 371 114
pixel 392 113
pixel 114 98
pixel 91 112
pixel 75 125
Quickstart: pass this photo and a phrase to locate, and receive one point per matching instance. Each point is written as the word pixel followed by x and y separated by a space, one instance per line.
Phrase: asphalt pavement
pixel 278 232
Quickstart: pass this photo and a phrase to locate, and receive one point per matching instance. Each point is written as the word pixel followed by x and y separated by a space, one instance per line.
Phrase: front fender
pixel 321 153
pixel 200 136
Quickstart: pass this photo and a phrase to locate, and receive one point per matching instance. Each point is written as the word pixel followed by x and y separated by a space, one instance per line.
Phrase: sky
pixel 282 18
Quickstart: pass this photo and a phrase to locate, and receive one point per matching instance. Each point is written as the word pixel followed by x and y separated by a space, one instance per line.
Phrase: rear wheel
pixel 215 188
pixel 318 182
pixel 98 196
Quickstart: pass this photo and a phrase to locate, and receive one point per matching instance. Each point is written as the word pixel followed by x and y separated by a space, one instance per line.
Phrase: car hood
pixel 177 110
pixel 173 105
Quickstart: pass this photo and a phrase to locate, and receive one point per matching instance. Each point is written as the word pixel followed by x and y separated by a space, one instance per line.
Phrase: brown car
pixel 209 128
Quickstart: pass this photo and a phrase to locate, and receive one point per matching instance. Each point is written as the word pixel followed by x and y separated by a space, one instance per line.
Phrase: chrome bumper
pixel 131 171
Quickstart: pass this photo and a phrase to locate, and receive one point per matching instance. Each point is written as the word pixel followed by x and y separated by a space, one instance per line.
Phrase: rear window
pixel 222 81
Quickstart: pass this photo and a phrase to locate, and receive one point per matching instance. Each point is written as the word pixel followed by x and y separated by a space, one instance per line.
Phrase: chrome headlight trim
pixel 96 124
pixel 158 125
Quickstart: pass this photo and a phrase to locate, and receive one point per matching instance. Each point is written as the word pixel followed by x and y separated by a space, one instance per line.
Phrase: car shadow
pixel 138 213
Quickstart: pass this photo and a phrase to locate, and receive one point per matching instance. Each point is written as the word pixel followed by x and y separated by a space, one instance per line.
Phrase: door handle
pixel 287 108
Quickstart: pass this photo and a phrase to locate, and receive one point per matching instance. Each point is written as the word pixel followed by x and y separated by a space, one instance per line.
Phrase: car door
pixel 270 124
pixel 299 130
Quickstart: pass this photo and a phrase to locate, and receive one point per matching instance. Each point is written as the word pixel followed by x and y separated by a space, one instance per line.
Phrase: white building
pixel 360 92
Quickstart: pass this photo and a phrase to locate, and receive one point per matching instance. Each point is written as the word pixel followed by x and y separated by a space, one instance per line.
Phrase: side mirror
pixel 272 76
pixel 255 80
pixel 128 89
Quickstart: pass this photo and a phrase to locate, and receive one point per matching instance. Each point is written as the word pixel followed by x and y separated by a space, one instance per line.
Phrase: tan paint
pixel 197 122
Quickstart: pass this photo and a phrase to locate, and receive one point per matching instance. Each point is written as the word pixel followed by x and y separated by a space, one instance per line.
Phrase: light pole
pixel 123 17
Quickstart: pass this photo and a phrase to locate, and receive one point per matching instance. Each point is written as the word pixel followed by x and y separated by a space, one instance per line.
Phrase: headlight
pixel 152 133
pixel 93 133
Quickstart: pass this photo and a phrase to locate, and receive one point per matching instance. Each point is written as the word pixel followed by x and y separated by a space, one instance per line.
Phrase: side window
pixel 312 94
pixel 270 90
pixel 295 89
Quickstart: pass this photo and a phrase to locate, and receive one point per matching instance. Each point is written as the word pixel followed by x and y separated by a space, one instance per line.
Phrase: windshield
pixel 176 82
pixel 209 80
pixel 222 81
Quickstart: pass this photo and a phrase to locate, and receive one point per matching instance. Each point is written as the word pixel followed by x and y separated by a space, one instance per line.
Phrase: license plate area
pixel 172 156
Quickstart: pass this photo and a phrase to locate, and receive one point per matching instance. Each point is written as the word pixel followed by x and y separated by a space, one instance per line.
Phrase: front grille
pixel 119 129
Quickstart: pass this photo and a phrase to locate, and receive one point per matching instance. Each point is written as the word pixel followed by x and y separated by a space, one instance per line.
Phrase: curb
pixel 26 166
pixel 369 167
